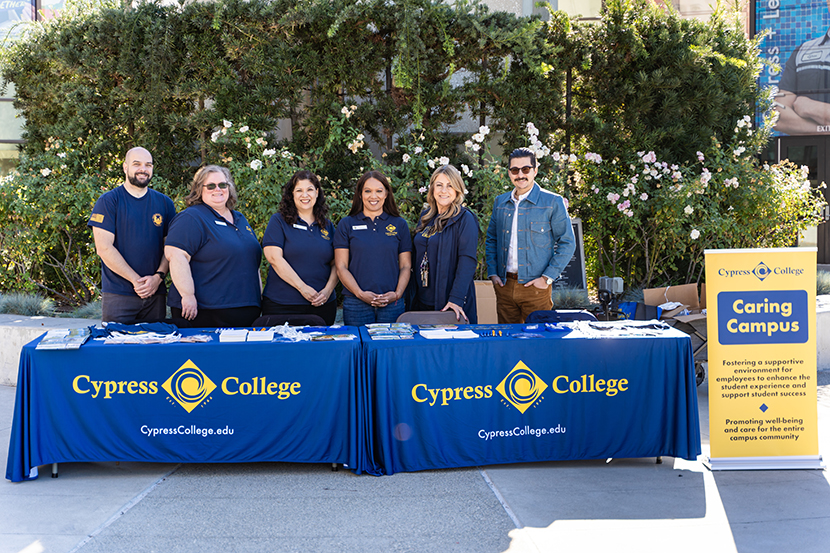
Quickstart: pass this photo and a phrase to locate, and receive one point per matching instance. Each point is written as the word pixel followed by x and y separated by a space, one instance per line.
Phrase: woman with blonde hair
pixel 445 243
pixel 214 257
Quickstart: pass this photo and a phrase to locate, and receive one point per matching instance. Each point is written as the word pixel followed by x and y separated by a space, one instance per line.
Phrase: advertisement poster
pixel 761 324
pixel 797 42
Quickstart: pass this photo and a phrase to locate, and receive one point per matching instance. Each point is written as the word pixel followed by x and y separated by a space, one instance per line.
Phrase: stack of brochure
pixel 391 331
pixel 233 335
pixel 64 338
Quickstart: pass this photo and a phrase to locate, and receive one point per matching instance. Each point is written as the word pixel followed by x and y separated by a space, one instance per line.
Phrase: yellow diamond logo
pixel 521 387
pixel 189 386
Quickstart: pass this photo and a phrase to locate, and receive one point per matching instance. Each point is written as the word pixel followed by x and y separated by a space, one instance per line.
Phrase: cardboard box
pixel 486 302
pixel 686 294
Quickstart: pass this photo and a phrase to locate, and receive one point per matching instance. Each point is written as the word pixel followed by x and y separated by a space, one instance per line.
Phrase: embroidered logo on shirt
pixel 391 230
pixel 325 234
pixel 157 219
pixel 97 218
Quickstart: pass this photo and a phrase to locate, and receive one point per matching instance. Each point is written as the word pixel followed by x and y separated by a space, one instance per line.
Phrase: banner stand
pixel 761 324
pixel 799 462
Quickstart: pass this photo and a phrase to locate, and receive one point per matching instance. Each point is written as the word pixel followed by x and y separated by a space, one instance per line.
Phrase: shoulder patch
pixel 97 217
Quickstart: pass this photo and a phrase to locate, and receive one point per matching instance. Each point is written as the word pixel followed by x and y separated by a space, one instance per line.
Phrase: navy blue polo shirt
pixel 373 250
pixel 139 226
pixel 309 251
pixel 224 258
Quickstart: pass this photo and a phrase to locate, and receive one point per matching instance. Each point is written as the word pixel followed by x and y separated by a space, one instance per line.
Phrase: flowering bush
pixel 650 220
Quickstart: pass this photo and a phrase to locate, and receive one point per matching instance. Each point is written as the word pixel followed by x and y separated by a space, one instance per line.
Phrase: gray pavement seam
pixel 501 499
pixel 123 510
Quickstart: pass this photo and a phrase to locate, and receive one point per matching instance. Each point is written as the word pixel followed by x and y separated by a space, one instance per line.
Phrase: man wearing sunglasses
pixel 529 242
pixel 129 224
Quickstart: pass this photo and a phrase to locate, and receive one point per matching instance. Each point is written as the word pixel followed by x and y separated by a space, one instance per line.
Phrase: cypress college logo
pixel 189 386
pixel 521 387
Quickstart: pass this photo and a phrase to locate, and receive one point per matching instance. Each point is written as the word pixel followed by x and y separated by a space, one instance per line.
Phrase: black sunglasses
pixel 213 185
pixel 526 170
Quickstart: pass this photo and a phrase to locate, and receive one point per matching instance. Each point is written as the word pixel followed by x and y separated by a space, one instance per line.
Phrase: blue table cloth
pixel 200 402
pixel 491 400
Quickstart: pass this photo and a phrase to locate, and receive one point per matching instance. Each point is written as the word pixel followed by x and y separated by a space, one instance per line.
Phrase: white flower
pixel 243 129
pixel 612 197
pixel 372 28
pixel 700 156
pixel 256 165
pixel 556 156
pixel 46 172
pixel 531 129
pixel 443 160
pixel 286 154
pixel 261 141
pixel 431 164
pixel 643 196
pixel 484 130
pixel 63 166
pixel 688 209
pixel 227 124
pixel 269 152
pixel 61 155
pixel 360 137
pixel 695 234
pixel 418 150
pixel 476 147
pixel 596 190
pixel 478 137
pixel 406 158
pixel 215 136
pixel 650 157
pixel 466 170
pixel 422 190
pixel 468 144
pixel 572 158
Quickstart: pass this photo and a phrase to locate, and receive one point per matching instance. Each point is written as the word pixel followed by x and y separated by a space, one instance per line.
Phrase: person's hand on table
pixel 189 307
pixel 460 316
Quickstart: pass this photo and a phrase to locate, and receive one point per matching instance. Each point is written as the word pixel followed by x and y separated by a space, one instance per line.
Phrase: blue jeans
pixel 357 312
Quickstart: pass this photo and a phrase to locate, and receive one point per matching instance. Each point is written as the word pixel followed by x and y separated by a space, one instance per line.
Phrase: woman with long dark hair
pixel 373 254
pixel 298 246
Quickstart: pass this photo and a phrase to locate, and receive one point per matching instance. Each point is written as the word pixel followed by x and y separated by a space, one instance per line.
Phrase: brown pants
pixel 514 301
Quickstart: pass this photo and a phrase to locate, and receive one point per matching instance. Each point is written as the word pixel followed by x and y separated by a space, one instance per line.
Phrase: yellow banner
pixel 761 322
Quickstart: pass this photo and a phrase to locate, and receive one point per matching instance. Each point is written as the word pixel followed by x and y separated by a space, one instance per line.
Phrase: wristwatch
pixel 159 273
pixel 548 281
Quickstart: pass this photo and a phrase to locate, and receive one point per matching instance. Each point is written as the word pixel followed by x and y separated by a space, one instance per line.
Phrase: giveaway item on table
pixel 260 335
pixel 142 333
pixel 444 334
pixel 64 338
pixel 391 331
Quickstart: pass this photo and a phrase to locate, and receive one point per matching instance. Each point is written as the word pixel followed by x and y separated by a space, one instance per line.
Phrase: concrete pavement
pixel 624 505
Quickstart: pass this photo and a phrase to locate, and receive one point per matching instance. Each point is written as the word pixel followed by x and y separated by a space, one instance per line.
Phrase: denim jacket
pixel 546 240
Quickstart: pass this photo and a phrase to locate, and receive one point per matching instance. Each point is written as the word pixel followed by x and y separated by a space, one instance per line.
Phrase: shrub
pixel 822 283
pixel 30 305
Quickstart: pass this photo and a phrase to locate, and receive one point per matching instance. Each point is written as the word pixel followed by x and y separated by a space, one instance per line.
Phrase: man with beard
pixel 129 224
pixel 529 242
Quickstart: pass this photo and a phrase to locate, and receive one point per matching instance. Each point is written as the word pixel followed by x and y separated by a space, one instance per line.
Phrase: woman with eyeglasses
pixel 373 254
pixel 298 246
pixel 445 241
pixel 214 257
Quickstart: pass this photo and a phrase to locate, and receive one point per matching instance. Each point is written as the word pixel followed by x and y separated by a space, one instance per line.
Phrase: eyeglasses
pixel 525 170
pixel 213 185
